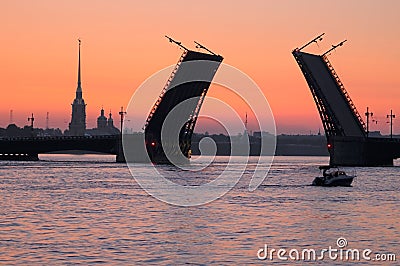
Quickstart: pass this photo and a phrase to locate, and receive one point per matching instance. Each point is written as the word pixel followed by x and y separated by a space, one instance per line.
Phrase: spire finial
pixel 79 88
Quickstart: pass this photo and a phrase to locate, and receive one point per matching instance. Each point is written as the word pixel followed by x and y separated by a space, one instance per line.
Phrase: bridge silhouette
pixel 28 148
pixel 347 136
pixel 188 83
pixel 184 92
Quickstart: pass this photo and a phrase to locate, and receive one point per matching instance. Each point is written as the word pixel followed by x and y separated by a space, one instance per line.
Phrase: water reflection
pixel 93 212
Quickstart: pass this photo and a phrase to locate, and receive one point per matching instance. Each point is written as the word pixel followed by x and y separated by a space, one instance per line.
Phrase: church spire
pixel 77 127
pixel 79 88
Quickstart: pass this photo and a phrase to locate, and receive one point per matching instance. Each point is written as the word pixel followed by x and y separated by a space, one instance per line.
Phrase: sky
pixel 123 44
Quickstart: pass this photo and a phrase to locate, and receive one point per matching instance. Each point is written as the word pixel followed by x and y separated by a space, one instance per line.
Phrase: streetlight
pixel 122 113
pixel 368 114
pixel 31 119
pixel 120 156
pixel 391 116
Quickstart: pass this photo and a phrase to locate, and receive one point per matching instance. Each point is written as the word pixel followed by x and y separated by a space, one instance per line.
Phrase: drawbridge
pixel 184 92
pixel 347 139
pixel 168 128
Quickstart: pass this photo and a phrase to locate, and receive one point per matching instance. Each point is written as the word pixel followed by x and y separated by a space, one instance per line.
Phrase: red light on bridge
pixel 329 145
pixel 153 143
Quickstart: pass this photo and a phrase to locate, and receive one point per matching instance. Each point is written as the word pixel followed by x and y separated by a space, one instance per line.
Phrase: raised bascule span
pixel 185 90
pixel 347 140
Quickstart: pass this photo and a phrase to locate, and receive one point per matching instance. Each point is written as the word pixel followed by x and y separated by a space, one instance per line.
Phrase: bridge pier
pixel 19 157
pixel 353 151
pixel 120 158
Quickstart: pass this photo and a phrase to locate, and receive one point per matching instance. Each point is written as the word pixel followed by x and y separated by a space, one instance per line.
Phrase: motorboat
pixel 333 177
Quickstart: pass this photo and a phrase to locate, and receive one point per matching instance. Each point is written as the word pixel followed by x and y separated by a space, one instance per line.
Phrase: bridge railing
pixel 45 138
pixel 166 87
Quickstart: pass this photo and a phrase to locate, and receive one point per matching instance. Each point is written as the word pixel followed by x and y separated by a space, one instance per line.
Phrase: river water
pixel 69 209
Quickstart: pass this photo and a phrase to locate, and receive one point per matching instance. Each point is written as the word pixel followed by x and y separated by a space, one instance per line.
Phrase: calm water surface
pixel 60 211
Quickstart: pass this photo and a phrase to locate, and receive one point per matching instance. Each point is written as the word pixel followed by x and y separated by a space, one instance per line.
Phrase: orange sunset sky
pixel 123 44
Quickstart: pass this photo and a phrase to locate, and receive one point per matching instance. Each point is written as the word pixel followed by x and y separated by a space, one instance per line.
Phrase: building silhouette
pixel 110 121
pixel 77 127
pixel 101 120
pixel 104 126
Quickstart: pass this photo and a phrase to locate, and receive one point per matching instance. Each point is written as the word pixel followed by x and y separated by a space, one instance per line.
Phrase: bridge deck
pixel 37 145
pixel 190 79
pixel 338 113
